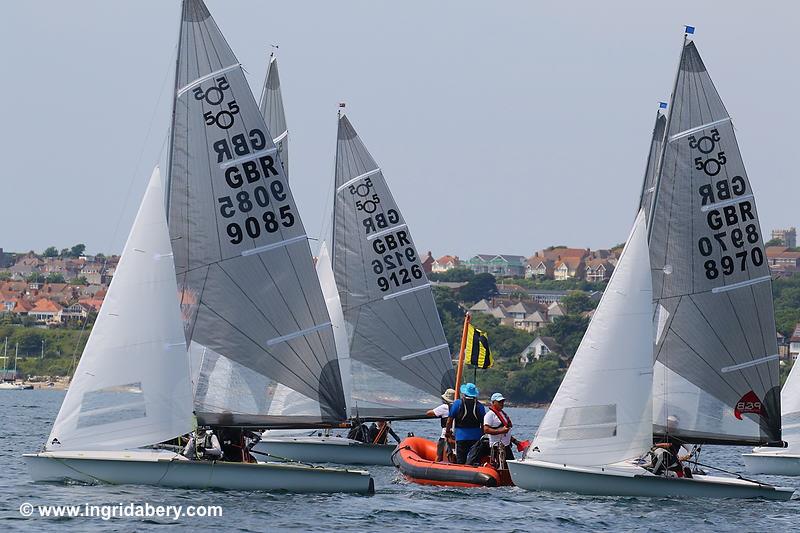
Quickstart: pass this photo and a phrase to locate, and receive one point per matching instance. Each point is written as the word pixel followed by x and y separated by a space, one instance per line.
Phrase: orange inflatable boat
pixel 416 459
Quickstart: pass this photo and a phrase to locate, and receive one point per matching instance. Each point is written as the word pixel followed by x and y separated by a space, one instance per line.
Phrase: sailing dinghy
pixel 399 358
pixel 711 382
pixel 245 298
pixel 599 425
pixel 782 461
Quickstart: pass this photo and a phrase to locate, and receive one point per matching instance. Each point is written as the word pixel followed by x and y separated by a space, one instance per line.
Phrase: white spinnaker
pixel 790 408
pixel 132 387
pixel 602 412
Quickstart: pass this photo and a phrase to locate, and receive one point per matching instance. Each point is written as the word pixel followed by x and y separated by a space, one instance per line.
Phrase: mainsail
pixel 716 371
pixel 651 171
pixel 131 387
pixel 400 358
pixel 602 412
pixel 271 106
pixel 248 289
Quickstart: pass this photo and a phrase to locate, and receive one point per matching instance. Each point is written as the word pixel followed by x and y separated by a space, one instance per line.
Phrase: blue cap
pixel 469 389
pixel 497 397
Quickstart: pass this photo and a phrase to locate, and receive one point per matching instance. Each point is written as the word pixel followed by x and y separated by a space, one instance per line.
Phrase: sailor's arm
pixel 216 449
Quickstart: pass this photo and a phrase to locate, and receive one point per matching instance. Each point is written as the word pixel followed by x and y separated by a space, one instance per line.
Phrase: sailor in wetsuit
pixel 466 416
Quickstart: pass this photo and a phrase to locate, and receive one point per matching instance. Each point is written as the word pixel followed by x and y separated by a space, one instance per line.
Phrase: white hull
pixel 624 479
pixel 170 470
pixel 13 386
pixel 775 463
pixel 337 450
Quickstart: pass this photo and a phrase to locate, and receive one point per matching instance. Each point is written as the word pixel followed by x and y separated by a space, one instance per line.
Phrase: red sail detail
pixel 749 403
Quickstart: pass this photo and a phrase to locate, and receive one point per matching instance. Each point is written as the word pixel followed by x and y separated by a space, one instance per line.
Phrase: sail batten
pixel 715 375
pixel 400 358
pixel 249 293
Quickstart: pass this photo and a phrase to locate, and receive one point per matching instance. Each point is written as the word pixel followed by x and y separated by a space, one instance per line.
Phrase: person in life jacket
pixel 497 424
pixel 466 416
pixel 666 455
pixel 203 445
pixel 444 448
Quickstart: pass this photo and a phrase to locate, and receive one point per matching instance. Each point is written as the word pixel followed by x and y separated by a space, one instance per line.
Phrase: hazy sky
pixel 502 127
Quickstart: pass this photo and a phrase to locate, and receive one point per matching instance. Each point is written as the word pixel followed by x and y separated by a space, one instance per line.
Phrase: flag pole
pixel 460 368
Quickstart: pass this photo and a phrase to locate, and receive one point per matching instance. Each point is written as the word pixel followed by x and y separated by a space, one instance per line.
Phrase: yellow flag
pixel 477 352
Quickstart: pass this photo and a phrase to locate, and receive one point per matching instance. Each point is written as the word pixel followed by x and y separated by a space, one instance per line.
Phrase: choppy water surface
pixel 26 418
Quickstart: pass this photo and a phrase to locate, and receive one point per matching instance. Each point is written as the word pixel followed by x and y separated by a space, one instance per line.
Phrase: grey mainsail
pixel 651 171
pixel 249 292
pixel 271 106
pixel 716 372
pixel 400 358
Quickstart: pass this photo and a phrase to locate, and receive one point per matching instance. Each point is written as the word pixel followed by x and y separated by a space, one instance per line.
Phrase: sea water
pixel 397 505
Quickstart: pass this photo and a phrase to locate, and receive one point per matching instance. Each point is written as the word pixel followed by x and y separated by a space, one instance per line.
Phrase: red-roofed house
pixel 445 263
pixel 568 267
pixel 794 343
pixel 598 270
pixel 46 311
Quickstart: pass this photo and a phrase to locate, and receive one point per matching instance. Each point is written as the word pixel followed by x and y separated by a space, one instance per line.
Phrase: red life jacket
pixel 504 418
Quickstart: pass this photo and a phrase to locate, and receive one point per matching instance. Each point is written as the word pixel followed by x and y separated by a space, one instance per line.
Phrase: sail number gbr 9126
pixel 255 199
pixel 395 262
pixel 732 224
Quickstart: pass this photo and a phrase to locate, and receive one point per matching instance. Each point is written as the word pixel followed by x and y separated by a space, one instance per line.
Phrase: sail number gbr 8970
pixel 262 206
pixel 732 223
pixel 396 261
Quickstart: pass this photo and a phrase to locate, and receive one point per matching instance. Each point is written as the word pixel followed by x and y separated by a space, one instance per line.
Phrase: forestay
pixel 602 412
pixel 131 387
pixel 714 324
pixel 400 358
pixel 247 284
pixel 271 106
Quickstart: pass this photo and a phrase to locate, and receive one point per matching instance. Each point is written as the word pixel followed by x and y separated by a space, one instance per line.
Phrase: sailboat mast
pixel 460 369
pixel 665 143
pixel 335 166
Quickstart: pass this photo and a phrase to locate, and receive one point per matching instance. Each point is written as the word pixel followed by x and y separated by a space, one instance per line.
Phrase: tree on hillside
pixel 64 252
pixel 80 280
pixel 454 274
pixel 35 277
pixel 568 331
pixel 774 242
pixel 77 250
pixel 578 302
pixel 5 275
pixel 480 287
pixel 50 251
pixel 54 277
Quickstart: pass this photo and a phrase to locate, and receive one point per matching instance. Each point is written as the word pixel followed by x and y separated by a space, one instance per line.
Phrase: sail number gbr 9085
pixel 732 224
pixel 260 206
pixel 396 261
